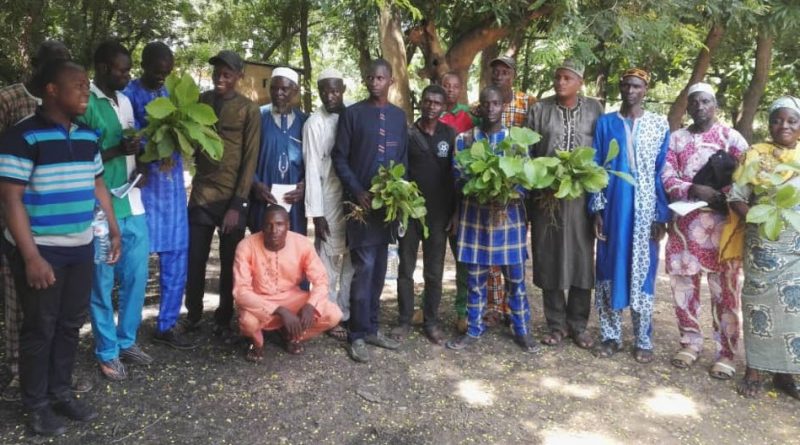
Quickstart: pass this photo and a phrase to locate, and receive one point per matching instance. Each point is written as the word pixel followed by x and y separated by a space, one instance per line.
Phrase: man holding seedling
pixel 370 134
pixel 491 235
pixel 562 240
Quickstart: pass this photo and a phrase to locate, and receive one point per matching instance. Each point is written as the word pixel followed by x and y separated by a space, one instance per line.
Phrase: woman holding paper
pixel 693 244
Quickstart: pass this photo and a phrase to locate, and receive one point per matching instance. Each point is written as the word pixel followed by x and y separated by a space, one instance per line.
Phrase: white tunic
pixel 323 188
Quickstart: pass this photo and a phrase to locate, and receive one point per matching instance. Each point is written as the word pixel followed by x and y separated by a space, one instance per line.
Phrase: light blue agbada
pixel 627 262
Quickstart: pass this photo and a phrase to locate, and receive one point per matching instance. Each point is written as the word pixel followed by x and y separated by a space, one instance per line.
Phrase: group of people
pixel 66 163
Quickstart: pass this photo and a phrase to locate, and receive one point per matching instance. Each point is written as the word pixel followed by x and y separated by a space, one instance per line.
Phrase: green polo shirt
pixel 101 115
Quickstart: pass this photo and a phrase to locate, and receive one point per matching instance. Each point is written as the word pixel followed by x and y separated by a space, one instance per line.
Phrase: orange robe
pixel 265 280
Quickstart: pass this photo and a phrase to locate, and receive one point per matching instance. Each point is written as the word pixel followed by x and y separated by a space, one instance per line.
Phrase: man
pixel 694 239
pixel 515 114
pixel 370 134
pixel 563 248
pixel 164 199
pixel 280 159
pixel 629 219
pixel 459 118
pixel 323 194
pixel 477 222
pixel 269 268
pixel 49 239
pixel 110 113
pixel 220 190
pixel 457 115
pixel 18 101
pixel 515 103
pixel 430 165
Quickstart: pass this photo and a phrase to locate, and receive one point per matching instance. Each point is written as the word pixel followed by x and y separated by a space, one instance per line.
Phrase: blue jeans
pixel 131 272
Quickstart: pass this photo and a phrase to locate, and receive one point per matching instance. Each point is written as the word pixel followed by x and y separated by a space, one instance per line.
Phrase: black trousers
pixel 433 252
pixel 51 319
pixel 200 237
pixel 570 315
pixel 369 265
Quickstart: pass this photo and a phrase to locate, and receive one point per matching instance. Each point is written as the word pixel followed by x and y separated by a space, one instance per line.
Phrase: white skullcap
pixel 329 73
pixel 700 87
pixel 287 73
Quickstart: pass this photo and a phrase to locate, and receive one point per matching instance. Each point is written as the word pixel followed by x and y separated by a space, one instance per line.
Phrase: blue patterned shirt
pixel 164 192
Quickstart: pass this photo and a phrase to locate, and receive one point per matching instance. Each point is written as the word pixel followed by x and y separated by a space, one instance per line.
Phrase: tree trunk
pixel 394 51
pixel 306 56
pixel 425 38
pixel 752 96
pixel 32 31
pixel 701 64
pixel 526 66
pixel 361 37
pixel 462 51
pixel 487 55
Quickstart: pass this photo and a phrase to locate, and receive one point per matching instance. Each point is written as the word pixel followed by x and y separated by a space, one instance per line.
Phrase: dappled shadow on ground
pixel 421 394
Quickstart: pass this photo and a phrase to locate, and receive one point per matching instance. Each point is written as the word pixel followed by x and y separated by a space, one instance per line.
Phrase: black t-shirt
pixel 430 165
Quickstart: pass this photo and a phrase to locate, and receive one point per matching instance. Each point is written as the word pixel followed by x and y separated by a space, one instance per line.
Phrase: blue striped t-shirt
pixel 59 168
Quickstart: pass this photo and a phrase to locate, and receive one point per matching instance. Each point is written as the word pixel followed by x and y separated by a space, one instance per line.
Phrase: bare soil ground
pixel 421 394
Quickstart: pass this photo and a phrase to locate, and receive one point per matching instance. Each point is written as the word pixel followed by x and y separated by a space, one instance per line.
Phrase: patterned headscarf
pixel 789 102
pixel 637 72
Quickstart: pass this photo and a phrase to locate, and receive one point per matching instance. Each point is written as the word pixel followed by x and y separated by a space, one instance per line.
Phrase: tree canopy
pixel 746 48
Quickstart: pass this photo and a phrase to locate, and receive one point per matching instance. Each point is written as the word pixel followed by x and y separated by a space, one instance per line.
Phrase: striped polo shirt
pixel 58 168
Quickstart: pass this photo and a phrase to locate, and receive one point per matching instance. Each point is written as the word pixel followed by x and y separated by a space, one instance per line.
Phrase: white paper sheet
pixel 684 208
pixel 123 190
pixel 279 190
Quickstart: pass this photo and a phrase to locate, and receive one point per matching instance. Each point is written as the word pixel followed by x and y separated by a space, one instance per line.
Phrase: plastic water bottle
pixel 392 263
pixel 102 242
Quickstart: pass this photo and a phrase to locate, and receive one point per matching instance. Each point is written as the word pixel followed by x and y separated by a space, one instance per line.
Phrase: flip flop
pixel 554 338
pixel 684 358
pixel 722 370
pixel 400 332
pixel 254 354
pixel 583 340
pixel 606 349
pixel 527 344
pixel 643 356
pixel 435 335
pixel 338 332
pixel 294 347
pixel 460 342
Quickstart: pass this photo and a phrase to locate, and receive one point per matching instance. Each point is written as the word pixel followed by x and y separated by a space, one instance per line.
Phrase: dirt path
pixel 421 394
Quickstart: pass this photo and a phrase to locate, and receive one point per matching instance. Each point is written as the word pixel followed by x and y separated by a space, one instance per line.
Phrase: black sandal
pixel 643 356
pixel 254 354
pixel 527 344
pixel 338 332
pixel 606 349
pixel 461 342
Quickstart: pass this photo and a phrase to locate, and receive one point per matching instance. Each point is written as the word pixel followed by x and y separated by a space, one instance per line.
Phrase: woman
pixel 771 292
